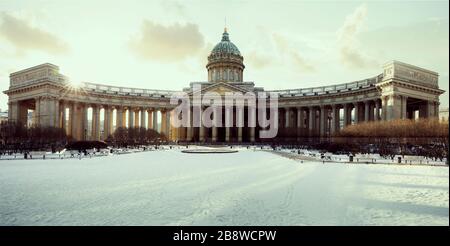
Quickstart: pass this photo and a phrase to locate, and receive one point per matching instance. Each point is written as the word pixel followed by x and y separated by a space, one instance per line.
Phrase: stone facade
pixel 401 91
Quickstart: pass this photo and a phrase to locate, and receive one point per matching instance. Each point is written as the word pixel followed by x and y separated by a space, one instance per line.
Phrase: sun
pixel 75 84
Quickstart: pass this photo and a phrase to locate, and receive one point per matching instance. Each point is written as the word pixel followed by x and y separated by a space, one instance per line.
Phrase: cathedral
pixel 93 111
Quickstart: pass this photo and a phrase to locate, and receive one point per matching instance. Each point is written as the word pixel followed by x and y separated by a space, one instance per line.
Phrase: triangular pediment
pixel 220 88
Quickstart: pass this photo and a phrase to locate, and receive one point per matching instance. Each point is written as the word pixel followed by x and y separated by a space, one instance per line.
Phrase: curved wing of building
pixel 400 91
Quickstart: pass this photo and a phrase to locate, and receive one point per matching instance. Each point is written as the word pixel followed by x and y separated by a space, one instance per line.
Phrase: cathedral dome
pixel 225 46
pixel 225 63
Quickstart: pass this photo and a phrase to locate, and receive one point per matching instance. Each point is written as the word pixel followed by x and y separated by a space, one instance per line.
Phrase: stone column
pixel 111 120
pixel 228 123
pixel 48 112
pixel 91 135
pixel 239 122
pixel 345 115
pixel 227 134
pixel 106 122
pixel 323 120
pixel 311 120
pixel 287 117
pixel 215 122
pixel 252 122
pixel 356 112
pixel 136 118
pixel 85 122
pixel 384 106
pixel 62 118
pixel 300 118
pixel 73 121
pixel 334 119
pixel 214 134
pixel 394 107
pixel 376 116
pixel 240 134
pixel 168 133
pixel 155 120
pixel 367 111
pixel 149 119
pixel 35 112
pixel 12 111
pixel 190 127
pixel 130 117
pixel 300 121
pixel 201 133
pixel 95 122
pixel 143 118
pixel 44 113
pixel 55 113
pixel 252 134
pixel 163 122
pixel 404 112
pixel 41 108
pixel 431 109
pixel 69 119
pixel 436 109
pixel 119 117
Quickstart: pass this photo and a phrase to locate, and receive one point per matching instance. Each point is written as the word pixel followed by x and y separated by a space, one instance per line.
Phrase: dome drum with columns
pixel 225 63
pixel 399 91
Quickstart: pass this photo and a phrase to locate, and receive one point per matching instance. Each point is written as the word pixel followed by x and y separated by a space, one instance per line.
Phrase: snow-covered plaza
pixel 168 187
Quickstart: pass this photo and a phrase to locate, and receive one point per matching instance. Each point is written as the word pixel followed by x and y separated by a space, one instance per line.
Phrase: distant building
pixel 3 116
pixel 443 115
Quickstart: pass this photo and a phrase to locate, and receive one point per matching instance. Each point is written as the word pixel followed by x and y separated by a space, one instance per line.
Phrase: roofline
pixel 33 68
pixel 411 66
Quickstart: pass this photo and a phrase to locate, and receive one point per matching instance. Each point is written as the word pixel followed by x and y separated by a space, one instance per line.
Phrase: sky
pixel 164 44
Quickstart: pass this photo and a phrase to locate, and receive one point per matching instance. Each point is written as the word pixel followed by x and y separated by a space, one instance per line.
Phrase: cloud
pixel 347 38
pixel 302 63
pixel 174 7
pixel 202 56
pixel 25 37
pixel 258 60
pixel 167 43
pixel 298 60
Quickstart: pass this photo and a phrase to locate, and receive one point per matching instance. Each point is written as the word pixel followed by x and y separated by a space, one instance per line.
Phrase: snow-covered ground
pixel 246 188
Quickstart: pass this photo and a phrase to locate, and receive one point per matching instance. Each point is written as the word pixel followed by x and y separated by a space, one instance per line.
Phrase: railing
pixel 118 90
pixel 129 91
pixel 314 91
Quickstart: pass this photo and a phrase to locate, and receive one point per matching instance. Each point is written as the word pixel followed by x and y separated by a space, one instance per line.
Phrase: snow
pixel 364 158
pixel 167 187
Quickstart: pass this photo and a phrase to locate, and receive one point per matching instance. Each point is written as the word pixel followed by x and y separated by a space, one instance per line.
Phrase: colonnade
pixel 220 131
pixel 99 122
pixel 309 120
